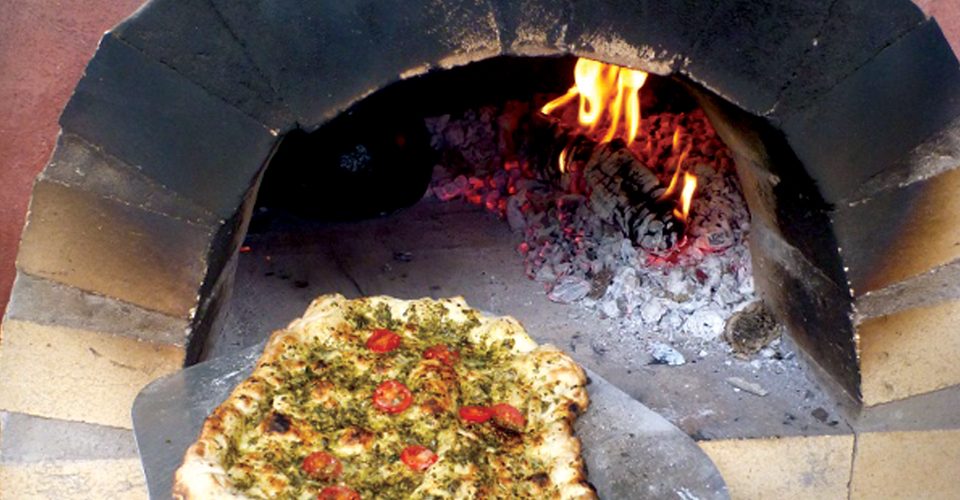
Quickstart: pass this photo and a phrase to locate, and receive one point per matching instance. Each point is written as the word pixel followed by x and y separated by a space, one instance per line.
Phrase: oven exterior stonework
pixel 134 225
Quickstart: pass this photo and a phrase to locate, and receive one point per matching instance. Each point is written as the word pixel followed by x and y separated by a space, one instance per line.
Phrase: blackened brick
pixel 324 56
pixel 816 311
pixel 855 31
pixel 191 37
pixel 751 48
pixel 173 131
pixel 872 119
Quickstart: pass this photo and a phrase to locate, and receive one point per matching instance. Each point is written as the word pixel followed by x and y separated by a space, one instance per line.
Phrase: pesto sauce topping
pixel 332 392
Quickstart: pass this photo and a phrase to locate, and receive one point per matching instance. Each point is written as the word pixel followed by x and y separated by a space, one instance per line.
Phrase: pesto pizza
pixel 386 398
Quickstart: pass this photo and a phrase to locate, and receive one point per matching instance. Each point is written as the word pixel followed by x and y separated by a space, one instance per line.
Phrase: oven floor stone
pixel 446 249
pixel 795 442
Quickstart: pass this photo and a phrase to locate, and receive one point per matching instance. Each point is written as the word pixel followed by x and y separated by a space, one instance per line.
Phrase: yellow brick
pixel 97 245
pixel 910 352
pixel 784 468
pixel 77 375
pixel 922 464
pixel 927 237
pixel 76 480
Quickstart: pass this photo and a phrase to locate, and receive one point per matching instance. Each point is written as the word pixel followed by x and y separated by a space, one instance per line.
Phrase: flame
pixel 604 90
pixel 560 101
pixel 630 82
pixel 562 161
pixel 593 81
pixel 686 196
pixel 679 166
pixel 689 181
pixel 609 95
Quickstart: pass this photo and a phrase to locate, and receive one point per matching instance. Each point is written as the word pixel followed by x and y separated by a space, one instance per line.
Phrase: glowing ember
pixel 564 244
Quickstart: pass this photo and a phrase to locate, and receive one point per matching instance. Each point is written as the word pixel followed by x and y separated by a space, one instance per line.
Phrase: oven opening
pixel 597 204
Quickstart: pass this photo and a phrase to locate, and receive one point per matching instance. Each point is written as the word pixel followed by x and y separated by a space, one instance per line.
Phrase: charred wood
pixel 627 194
pixel 622 190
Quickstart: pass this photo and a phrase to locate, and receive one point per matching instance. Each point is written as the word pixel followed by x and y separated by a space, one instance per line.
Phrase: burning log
pixel 622 191
pixel 627 194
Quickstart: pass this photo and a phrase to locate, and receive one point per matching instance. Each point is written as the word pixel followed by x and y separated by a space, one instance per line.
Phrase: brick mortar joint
pixel 71 288
pixel 262 74
pixel 201 223
pixel 890 181
pixel 884 302
pixel 7 321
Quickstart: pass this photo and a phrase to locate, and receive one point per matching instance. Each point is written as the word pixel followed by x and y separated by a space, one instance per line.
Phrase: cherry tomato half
pixel 508 417
pixel 443 354
pixel 338 493
pixel 392 397
pixel 418 458
pixel 476 414
pixel 323 466
pixel 383 340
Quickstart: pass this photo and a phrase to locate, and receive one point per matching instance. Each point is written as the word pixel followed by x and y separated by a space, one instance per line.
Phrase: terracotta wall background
pixel 44 46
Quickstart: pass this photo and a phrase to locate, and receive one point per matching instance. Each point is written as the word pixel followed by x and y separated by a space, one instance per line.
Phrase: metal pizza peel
pixel 630 451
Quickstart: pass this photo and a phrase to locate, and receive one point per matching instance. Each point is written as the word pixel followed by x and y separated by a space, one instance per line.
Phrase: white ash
pixel 683 299
pixel 752 387
pixel 568 289
pixel 665 354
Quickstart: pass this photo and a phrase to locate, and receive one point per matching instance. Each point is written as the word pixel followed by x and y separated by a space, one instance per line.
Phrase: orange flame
pixel 604 88
pixel 676 171
pixel 630 82
pixel 560 101
pixel 686 196
pixel 562 161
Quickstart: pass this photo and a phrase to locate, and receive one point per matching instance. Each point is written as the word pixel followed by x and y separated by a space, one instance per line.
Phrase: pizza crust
pixel 556 380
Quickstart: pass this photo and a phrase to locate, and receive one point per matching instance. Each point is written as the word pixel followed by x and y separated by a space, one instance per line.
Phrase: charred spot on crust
pixel 432 406
pixel 215 425
pixel 356 435
pixel 574 408
pixel 453 486
pixel 540 479
pixel 321 389
pixel 507 436
pixel 278 423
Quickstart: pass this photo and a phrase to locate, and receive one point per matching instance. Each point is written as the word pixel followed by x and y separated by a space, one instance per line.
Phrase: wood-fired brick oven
pixel 842 117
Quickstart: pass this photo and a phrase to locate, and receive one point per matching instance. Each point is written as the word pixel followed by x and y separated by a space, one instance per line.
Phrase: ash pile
pixel 678 286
